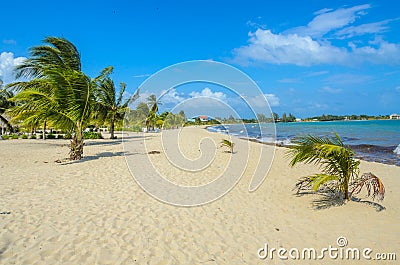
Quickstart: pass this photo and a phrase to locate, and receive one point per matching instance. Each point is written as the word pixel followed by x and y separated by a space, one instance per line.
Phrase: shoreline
pixel 379 154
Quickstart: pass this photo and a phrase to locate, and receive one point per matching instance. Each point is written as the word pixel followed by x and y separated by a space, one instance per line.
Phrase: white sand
pixel 93 212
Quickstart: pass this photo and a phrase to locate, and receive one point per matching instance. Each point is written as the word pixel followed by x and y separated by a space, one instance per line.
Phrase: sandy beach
pixel 93 211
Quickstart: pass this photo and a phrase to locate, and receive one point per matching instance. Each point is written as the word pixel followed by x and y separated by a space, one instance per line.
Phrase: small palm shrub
pixel 14 136
pixel 340 170
pixel 33 136
pixel 24 136
pixel 228 144
pixel 5 137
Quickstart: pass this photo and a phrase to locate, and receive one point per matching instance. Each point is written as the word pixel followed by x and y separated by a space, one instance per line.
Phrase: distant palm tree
pixel 112 108
pixel 151 120
pixel 339 167
pixel 5 104
pixel 57 91
pixel 153 103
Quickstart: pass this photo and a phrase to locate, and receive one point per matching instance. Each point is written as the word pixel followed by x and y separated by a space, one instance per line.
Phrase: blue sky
pixel 308 57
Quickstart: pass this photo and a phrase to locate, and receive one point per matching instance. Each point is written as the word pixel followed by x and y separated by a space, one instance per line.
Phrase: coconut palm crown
pixel 112 108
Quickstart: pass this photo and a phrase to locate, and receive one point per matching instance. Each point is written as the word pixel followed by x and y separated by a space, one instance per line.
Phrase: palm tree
pixel 151 120
pixel 153 103
pixel 57 91
pixel 339 167
pixel 228 144
pixel 5 104
pixel 112 108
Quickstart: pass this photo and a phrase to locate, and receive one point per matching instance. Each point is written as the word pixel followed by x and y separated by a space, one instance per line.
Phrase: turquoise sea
pixel 377 140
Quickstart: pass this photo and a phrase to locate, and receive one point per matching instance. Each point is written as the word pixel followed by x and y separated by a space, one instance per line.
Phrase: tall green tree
pixel 340 169
pixel 57 90
pixel 5 104
pixel 112 107
pixel 153 103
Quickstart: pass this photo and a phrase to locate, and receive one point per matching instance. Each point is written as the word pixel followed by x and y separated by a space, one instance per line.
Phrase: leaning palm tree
pixel 111 108
pixel 5 104
pixel 339 167
pixel 57 91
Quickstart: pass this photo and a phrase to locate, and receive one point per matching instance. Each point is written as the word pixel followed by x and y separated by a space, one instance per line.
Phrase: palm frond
pixel 373 185
pixel 316 182
pixel 228 144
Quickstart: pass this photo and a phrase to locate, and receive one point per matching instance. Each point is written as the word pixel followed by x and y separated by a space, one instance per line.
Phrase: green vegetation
pixel 58 92
pixel 353 117
pixel 339 167
pixel 145 115
pixel 33 136
pixel 228 144
pixel 5 104
pixel 5 137
pixel 51 136
pixel 92 135
pixel 14 136
pixel 24 136
pixel 111 108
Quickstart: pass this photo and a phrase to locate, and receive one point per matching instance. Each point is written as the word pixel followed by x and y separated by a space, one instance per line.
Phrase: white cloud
pixel 328 20
pixel 289 80
pixel 139 76
pixel 318 73
pixel 9 42
pixel 268 47
pixel 368 28
pixel 7 64
pixel 331 90
pixel 309 45
pixel 206 92
pixel 347 79
pixel 172 96
pixel 273 100
pixel 259 102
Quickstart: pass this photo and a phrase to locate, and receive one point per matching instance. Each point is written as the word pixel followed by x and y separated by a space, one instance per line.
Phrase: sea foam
pixel 397 150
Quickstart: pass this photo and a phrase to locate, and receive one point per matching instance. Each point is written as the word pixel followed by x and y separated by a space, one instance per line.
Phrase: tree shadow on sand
pixel 328 200
pixel 98 156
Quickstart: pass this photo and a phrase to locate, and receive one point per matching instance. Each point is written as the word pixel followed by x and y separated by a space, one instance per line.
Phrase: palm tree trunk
pixel 76 145
pixel 346 190
pixel 44 130
pixel 7 123
pixel 112 127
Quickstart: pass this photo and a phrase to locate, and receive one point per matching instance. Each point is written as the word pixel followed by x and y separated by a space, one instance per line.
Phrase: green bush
pixel 60 136
pixel 24 136
pixel 50 136
pixel 14 136
pixel 92 135
pixel 136 128
pixel 40 136
pixel 33 136
pixel 5 137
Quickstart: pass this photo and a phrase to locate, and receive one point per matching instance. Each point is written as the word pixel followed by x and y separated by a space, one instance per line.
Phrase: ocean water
pixel 377 140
